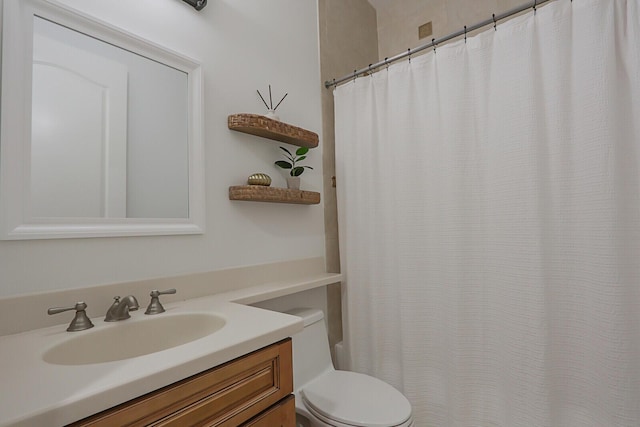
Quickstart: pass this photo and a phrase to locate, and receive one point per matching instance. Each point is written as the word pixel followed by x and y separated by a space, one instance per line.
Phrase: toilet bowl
pixel 326 397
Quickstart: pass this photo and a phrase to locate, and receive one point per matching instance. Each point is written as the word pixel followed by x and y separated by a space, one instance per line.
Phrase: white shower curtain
pixel 489 213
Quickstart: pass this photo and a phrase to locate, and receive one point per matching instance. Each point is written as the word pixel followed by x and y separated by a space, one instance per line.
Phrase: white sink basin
pixel 133 337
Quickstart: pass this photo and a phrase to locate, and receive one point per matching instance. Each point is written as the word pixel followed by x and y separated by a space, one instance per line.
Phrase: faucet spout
pixel 120 308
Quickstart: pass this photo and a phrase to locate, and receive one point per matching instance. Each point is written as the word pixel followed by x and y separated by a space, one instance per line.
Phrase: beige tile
pixel 348 41
pixel 398 21
pixel 334 315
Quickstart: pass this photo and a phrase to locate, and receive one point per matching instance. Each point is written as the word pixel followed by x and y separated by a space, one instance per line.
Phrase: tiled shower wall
pixel 348 39
pixel 398 20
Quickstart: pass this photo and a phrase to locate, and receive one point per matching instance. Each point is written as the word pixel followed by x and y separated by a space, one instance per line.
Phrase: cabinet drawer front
pixel 227 395
pixel 281 415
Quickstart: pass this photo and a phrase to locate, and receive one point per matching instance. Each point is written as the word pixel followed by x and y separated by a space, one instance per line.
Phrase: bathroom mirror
pixel 101 131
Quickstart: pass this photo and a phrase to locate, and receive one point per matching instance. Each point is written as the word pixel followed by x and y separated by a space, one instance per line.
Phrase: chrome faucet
pixel 119 310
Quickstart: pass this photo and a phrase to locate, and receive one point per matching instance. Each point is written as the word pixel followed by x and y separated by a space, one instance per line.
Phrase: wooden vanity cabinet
pixel 253 390
pixel 280 415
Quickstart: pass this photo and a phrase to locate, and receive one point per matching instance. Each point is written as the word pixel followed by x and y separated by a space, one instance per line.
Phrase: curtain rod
pixel 435 42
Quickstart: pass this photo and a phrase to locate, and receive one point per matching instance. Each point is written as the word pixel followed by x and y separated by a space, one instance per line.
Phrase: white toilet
pixel 326 397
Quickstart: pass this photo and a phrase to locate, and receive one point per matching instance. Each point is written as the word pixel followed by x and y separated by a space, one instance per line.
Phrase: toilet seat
pixel 350 399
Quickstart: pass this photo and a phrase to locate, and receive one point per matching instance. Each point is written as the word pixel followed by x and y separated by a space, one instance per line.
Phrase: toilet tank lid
pixel 309 315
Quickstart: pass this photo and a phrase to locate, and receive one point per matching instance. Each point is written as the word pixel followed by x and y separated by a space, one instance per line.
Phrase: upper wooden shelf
pixel 265 127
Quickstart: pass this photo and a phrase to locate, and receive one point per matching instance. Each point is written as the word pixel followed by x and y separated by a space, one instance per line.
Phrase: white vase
pixel 293 182
pixel 272 115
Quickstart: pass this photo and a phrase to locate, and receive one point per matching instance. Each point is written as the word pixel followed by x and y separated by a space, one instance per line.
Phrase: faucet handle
pixel 80 322
pixel 154 306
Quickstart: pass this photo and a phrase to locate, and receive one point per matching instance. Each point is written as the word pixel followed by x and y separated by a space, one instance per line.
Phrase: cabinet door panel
pixel 281 415
pixel 226 396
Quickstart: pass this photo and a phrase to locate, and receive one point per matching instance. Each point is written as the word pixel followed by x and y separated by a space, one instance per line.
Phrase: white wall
pixel 243 45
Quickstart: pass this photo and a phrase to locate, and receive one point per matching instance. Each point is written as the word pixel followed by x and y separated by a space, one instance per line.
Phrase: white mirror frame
pixel 16 221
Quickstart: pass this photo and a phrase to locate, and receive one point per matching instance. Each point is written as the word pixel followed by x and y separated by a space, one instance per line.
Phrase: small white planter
pixel 293 182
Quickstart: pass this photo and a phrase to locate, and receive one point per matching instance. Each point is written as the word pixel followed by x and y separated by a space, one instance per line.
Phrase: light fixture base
pixel 197 4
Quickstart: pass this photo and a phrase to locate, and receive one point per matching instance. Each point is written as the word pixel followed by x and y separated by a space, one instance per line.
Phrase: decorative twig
pixel 285 95
pixel 265 102
pixel 270 105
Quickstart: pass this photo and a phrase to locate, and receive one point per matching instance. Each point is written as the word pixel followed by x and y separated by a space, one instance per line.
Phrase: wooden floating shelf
pixel 260 193
pixel 265 127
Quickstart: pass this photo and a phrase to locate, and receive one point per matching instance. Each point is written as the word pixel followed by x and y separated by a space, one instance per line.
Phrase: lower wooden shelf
pixel 260 193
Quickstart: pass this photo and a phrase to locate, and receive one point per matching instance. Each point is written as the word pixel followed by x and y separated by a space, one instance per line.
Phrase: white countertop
pixel 35 393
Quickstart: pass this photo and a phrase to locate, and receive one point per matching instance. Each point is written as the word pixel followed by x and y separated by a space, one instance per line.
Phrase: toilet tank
pixel 311 356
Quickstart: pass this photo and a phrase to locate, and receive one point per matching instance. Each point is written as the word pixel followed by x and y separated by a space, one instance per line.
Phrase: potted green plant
pixel 295 170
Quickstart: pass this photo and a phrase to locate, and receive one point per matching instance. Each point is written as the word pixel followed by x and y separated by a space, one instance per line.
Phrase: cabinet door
pixel 225 396
pixel 281 415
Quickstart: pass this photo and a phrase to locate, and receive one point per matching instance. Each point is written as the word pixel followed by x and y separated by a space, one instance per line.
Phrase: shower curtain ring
pixel 370 73
pixel 535 3
pixel 433 43
pixel 495 25
pixel 465 33
pixel 409 53
pixel 354 75
pixel 386 63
